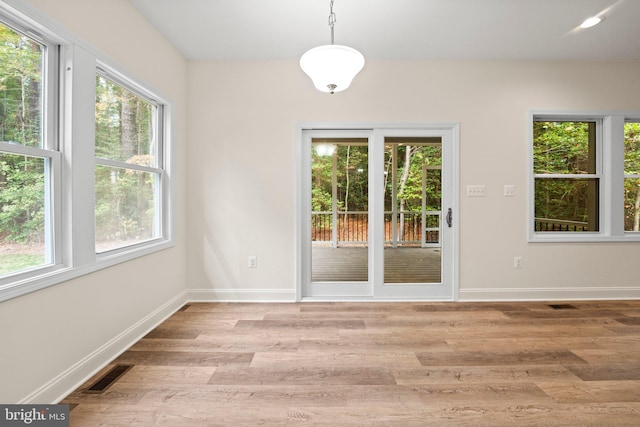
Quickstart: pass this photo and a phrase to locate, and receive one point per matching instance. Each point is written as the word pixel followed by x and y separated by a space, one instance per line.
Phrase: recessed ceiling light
pixel 591 22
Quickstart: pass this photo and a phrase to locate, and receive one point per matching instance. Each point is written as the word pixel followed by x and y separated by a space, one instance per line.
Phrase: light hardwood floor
pixel 378 364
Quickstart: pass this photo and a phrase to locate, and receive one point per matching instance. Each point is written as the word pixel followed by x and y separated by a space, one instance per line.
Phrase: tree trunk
pixel 636 214
pixel 402 185
pixel 23 111
pixel 34 115
pixel 129 145
pixel 346 193
pixel 387 169
pixel 128 140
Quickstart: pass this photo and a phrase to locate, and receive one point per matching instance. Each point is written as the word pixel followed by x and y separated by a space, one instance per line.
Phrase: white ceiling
pixel 399 29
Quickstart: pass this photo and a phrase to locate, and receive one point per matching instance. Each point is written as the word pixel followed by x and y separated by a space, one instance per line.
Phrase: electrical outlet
pixel 475 191
pixel 253 261
pixel 517 262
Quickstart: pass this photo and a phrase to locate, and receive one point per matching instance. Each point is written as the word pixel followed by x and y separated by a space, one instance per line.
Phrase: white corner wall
pixel 52 339
pixel 241 175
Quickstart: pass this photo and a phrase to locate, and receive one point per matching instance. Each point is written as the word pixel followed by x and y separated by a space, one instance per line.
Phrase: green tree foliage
pixel 352 179
pixel 632 148
pixel 413 161
pixel 322 182
pixel 20 88
pixel 125 198
pixel 632 185
pixel 352 188
pixel 22 198
pixel 123 124
pixel 562 147
pixel 21 177
pixel 410 193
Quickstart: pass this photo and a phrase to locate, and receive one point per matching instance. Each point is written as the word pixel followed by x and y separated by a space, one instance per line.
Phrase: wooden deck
pixel 402 265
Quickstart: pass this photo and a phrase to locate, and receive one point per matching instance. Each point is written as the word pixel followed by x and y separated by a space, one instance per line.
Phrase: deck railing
pixel 351 228
pixel 547 224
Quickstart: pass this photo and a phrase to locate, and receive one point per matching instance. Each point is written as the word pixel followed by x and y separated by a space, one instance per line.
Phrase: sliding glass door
pixel 374 211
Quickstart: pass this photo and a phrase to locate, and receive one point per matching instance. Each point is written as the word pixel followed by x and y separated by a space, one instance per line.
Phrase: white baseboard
pixel 549 294
pixel 485 294
pixel 69 380
pixel 241 295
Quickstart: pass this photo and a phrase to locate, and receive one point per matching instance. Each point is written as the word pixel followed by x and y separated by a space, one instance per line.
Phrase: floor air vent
pixel 563 306
pixel 108 379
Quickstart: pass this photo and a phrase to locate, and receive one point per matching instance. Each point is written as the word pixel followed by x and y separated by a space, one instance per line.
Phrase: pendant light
pixel 332 67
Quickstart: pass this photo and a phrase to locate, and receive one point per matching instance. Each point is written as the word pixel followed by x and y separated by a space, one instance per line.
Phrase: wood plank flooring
pixel 378 364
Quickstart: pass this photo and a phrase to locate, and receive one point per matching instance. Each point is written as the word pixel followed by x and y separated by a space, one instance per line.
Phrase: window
pixel 85 163
pixel 566 176
pixel 29 160
pixel 128 174
pixel 578 177
pixel 632 176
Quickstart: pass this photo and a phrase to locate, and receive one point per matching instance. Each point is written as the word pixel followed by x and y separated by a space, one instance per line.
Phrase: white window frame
pixel 609 171
pixel 158 124
pixel 69 137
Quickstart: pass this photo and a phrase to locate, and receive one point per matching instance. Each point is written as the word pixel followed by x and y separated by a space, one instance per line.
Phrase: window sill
pixel 582 238
pixel 55 275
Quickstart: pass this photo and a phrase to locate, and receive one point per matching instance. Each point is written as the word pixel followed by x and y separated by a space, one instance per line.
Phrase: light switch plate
pixel 252 262
pixel 509 190
pixel 475 191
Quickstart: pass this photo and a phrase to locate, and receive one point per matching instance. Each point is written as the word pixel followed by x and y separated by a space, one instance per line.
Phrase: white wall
pixel 50 338
pixel 241 198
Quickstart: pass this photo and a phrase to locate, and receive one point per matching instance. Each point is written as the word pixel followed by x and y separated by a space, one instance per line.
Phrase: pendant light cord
pixel 332 67
pixel 332 19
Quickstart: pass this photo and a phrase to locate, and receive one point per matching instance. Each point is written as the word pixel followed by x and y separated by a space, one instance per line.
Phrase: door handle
pixel 449 217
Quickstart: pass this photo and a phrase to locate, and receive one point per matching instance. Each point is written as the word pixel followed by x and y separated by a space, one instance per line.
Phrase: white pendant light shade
pixel 332 67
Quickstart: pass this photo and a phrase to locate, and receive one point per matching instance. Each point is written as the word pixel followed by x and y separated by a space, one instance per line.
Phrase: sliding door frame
pixel 303 182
